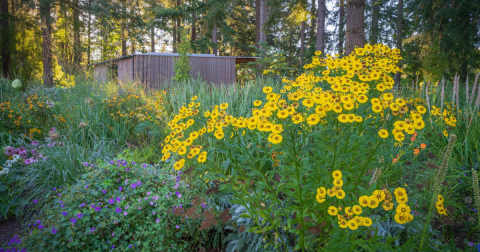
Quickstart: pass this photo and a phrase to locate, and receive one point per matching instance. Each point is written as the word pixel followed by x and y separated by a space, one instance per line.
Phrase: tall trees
pixel 260 19
pixel 321 26
pixel 355 25
pixel 341 24
pixel 374 25
pixel 77 46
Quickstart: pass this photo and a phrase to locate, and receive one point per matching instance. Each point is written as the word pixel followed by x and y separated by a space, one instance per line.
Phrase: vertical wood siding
pixel 101 73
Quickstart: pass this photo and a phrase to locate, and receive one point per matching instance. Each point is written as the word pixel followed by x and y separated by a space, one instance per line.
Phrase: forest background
pixel 51 40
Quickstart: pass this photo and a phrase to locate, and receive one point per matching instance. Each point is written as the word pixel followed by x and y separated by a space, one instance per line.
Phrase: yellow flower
pixel 383 133
pixel 202 157
pixel 267 89
pixel 357 209
pixel 402 208
pixel 440 198
pixel 337 174
pixel 363 201
pixel 399 136
pixel 367 222
pixel 419 124
pixel 340 194
pixel 338 182
pixel 352 224
pixel 224 106
pixel 342 118
pixel 332 211
pixel 297 118
pixel 194 98
pixel 445 133
pixel 321 191
pixel 275 138
pixel 257 103
pixel 313 119
pixel 400 219
pixel 165 156
pixel 379 195
pixel 182 151
pixel 421 109
pixel 373 202
pixel 318 53
pixel 179 164
pixel 207 114
pixel 343 223
pixel 219 134
pixel 387 205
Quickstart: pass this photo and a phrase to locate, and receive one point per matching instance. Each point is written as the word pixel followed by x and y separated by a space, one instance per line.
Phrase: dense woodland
pixel 53 39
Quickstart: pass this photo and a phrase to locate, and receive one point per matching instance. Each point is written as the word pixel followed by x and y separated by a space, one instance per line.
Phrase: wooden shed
pixel 153 69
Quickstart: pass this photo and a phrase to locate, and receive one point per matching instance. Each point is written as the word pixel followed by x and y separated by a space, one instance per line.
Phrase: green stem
pixel 300 190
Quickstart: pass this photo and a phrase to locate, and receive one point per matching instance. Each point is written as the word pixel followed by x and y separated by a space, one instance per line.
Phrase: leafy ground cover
pixel 335 159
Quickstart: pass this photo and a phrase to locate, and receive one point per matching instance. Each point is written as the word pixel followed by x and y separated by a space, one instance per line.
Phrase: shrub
pixel 314 153
pixel 121 204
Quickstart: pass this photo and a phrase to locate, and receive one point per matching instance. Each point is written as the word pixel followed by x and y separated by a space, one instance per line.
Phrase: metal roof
pixel 238 59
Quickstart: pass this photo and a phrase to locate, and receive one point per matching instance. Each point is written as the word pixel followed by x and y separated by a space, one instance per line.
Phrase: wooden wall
pixel 153 70
pixel 101 72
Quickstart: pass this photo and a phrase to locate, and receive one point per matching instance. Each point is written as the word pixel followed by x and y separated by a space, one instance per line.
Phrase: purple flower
pixel 54 188
pixel 120 188
pixel 35 201
pixel 79 215
pixel 113 246
pixel 154 213
pixel 134 185
pixel 204 205
pixel 158 220
pixel 40 226
pixel 113 234
pixel 148 193
pixel 470 243
pixel 139 183
pixel 73 220
pixel 151 203
pixel 118 210
pixel 177 226
pixel 111 201
pixel 64 213
pixel 144 165
pixel 133 162
pixel 54 231
pixel 34 143
pixel 111 162
pixel 125 213
pixel 92 229
pixel 119 199
pixel 104 191
pixel 60 195
pixel 86 186
pixel 179 195
pixel 82 205
pixel 167 196
pixel 98 208
pixel 62 205
pixel 92 205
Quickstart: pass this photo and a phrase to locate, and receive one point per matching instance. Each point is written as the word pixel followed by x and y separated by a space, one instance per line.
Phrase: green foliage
pixel 127 204
pixel 273 62
pixel 182 64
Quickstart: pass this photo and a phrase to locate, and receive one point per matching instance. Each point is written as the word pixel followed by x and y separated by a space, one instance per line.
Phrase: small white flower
pixel 16 156
pixel 16 84
pixel 4 171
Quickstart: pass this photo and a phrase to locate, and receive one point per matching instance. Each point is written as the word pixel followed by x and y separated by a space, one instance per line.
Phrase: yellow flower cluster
pixel 440 208
pixel 26 112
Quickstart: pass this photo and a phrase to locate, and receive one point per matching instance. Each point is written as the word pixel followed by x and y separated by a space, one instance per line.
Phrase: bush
pixel 122 205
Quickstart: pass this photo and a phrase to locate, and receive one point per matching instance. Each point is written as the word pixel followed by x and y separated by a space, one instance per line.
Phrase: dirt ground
pixel 8 229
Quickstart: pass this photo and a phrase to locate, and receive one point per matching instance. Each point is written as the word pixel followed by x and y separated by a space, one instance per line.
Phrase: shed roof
pixel 238 59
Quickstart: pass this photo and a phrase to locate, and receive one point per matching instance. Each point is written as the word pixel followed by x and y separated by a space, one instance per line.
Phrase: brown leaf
pixel 432 166
pixel 241 229
pixel 315 229
pixel 431 155
pixel 408 163
pixel 445 183
pixel 188 171
pixel 447 221
pixel 420 186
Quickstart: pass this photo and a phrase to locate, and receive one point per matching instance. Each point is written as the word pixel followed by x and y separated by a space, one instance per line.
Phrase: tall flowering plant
pixel 302 161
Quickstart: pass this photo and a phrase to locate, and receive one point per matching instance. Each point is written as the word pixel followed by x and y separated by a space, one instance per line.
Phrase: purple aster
pixel 119 199
pixel 86 186
pixel 154 213
pixel 125 213
pixel 148 193
pixel 134 185
pixel 111 201
pixel 98 208
pixel 179 195
pixel 113 246
pixel 92 205
pixel 133 162
pixel 158 220
pixel 167 196
pixel 111 162
pixel 92 229
pixel 139 183
pixel 204 205
pixel 113 234
pixel 62 205
pixel 54 231
pixel 151 203
pixel 104 191
pixel 120 188
pixel 177 226
pixel 40 226
pixel 59 194
pixel 79 215
pixel 64 213
pixel 82 205
pixel 144 165
pixel 34 143
pixel 73 220
pixel 35 201
pixel 54 188
pixel 118 210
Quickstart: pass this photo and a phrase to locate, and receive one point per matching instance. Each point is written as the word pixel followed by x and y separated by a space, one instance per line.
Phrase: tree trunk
pixel 77 47
pixel 320 46
pixel 194 28
pixel 47 43
pixel 89 29
pixel 152 36
pixel 341 33
pixel 399 34
pixel 133 46
pixel 174 35
pixel 313 17
pixel 214 39
pixel 263 20
pixel 374 25
pixel 302 42
pixel 257 23
pixel 5 38
pixel 124 27
pixel 355 25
